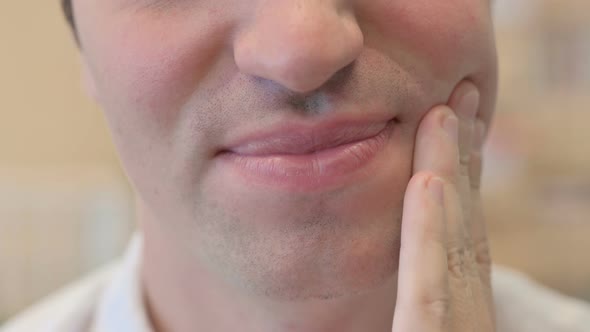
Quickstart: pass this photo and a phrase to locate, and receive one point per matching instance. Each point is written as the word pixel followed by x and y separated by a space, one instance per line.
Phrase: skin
pixel 177 78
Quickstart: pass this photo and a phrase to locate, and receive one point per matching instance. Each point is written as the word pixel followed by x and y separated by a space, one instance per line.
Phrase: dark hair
pixel 66 6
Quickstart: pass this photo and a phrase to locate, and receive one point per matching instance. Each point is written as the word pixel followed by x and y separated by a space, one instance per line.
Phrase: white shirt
pixel 110 301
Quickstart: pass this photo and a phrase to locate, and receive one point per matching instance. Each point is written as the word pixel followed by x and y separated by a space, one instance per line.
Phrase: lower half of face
pixel 275 139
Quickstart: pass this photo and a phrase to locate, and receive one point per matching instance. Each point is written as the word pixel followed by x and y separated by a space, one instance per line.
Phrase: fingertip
pixel 465 99
pixel 436 146
pixel 437 116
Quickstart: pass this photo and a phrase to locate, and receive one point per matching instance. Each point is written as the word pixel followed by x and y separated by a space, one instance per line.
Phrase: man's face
pixel 205 98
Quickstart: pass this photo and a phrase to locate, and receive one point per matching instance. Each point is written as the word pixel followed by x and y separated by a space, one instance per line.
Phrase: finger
pixel 478 229
pixel 464 279
pixel 476 163
pixel 437 142
pixel 478 261
pixel 465 102
pixel 423 290
pixel 437 152
pixel 472 130
pixel 481 287
pixel 466 283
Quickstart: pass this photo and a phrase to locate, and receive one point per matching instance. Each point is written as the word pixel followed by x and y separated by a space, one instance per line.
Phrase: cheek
pixel 146 69
pixel 449 36
pixel 153 64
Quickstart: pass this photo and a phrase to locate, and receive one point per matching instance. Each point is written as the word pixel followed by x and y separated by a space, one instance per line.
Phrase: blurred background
pixel 66 208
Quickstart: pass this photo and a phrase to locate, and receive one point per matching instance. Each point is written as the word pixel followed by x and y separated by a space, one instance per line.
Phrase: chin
pixel 317 254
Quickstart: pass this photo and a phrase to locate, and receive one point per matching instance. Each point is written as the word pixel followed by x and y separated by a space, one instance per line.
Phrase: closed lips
pixel 300 140
pixel 299 157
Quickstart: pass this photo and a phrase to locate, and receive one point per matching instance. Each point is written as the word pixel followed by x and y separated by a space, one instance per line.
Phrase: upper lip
pixel 305 138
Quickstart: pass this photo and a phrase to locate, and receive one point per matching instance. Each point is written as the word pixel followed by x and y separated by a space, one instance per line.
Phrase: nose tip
pixel 300 51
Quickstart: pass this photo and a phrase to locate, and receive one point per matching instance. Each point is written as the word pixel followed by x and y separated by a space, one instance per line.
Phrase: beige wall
pixel 46 119
pixel 537 183
pixel 64 204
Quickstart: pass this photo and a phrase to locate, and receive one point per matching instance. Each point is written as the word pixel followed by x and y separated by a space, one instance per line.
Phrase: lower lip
pixel 321 170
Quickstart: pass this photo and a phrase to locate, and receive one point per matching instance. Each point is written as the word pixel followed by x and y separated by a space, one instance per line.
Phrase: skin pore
pixel 179 79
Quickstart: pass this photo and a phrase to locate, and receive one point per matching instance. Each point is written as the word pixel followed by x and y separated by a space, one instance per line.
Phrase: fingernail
pixel 435 187
pixel 451 126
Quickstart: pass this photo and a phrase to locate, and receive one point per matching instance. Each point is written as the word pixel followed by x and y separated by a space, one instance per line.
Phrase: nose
pixel 299 44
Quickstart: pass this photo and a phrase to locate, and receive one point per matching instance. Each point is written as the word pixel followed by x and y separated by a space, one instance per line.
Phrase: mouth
pixel 307 158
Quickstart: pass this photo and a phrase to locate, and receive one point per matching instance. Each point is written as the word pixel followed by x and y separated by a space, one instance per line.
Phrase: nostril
pixel 303 50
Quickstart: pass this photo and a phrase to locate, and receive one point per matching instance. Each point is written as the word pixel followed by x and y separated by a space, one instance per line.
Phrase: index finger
pixel 423 298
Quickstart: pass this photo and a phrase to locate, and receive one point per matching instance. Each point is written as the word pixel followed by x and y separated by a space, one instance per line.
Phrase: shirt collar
pixel 121 307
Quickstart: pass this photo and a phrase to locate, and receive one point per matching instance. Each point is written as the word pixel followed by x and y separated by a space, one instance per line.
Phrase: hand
pixel 444 270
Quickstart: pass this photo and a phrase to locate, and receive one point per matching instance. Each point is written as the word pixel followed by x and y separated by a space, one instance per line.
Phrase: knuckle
pixel 462 261
pixel 472 270
pixel 422 177
pixel 462 256
pixel 439 309
pixel 456 262
pixel 482 254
